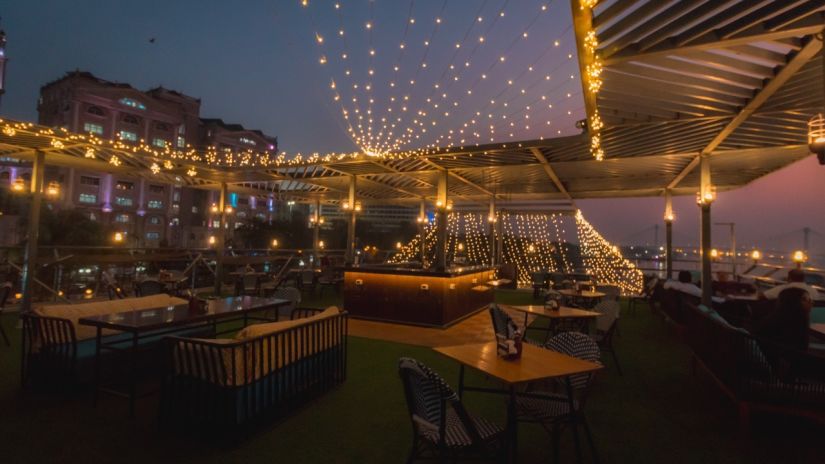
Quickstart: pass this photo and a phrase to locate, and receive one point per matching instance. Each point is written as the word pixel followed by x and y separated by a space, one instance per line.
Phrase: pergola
pixel 696 96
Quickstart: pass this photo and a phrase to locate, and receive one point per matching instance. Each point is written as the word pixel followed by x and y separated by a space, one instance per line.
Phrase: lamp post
pixel 704 198
pixel 799 258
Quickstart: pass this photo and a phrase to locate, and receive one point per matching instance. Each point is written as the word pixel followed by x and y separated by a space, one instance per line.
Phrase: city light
pixel 53 189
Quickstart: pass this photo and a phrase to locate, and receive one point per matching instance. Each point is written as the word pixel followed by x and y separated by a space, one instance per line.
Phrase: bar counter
pixel 417 296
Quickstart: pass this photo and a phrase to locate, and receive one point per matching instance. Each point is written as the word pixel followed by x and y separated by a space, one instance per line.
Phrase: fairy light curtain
pixel 409 76
pixel 534 242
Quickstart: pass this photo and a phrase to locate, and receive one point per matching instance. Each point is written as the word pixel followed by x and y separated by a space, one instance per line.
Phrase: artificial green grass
pixel 657 413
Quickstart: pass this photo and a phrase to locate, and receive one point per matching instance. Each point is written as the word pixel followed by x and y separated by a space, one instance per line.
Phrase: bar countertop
pixel 454 271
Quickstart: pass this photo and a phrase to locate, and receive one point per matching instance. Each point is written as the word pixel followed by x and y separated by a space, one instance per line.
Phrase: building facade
pixel 148 213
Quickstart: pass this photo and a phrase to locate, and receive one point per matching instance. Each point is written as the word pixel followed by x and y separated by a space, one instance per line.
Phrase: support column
pixel 316 231
pixel 220 239
pixel 350 254
pixel 668 234
pixel 30 255
pixel 705 200
pixel 441 222
pixel 422 232
pixel 491 221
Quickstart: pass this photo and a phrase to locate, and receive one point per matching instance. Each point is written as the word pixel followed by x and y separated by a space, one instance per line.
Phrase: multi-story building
pixel 151 213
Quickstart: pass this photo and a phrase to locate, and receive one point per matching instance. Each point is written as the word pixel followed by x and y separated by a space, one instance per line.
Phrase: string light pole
pixel 492 220
pixel 422 232
pixel 352 207
pixel 704 199
pixel 441 207
pixel 30 254
pixel 220 238
pixel 669 217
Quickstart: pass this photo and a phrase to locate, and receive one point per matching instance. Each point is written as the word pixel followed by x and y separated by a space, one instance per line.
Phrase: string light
pixel 532 242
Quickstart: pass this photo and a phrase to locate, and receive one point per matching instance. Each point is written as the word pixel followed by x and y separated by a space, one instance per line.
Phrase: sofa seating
pixel 265 370
pixel 57 348
pixel 756 374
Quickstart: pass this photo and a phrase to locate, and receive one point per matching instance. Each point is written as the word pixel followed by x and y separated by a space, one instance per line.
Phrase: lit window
pixel 132 103
pixel 247 141
pixel 216 224
pixel 160 143
pixel 181 142
pixel 152 236
pixel 175 222
pixel 154 204
pixel 88 198
pixel 123 218
pixel 123 185
pixel 181 129
pixel 129 136
pixel 123 201
pixel 154 220
pixel 176 196
pixel 93 128
pixel 194 209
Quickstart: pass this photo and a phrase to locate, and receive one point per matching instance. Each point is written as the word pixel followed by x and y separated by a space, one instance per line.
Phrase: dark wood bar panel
pixel 417 296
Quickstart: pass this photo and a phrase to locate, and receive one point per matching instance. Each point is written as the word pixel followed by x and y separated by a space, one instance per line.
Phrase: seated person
pixel 789 323
pixel 684 284
pixel 796 279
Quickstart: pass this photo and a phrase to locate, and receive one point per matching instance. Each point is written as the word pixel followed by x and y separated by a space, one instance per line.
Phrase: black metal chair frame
pixel 554 427
pixel 493 448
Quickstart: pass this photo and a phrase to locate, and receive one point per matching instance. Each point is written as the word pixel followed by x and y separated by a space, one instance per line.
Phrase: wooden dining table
pixel 562 313
pixel 535 364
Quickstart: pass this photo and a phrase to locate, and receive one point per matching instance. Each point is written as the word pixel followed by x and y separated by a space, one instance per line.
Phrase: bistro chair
pixel 442 427
pixel 4 297
pixel 287 293
pixel 539 282
pixel 551 410
pixel 307 280
pixel 250 285
pixel 503 324
pixel 606 325
pixel 150 287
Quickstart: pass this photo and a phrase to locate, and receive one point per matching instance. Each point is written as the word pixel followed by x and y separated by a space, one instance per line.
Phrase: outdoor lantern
pixel 228 209
pixel 756 255
pixel 714 253
pixel 421 219
pixel 816 137
pixel 19 185
pixel 799 258
pixel 212 240
pixel 274 243
pixel 460 247
pixel 345 204
pixel 118 237
pixel 214 208
pixel 398 245
pixel 357 206
pixel 53 189
pixel 321 244
pixel 669 216
pixel 491 218
pixel 706 197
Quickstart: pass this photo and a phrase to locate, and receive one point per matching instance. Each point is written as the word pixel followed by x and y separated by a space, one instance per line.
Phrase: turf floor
pixel 658 412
